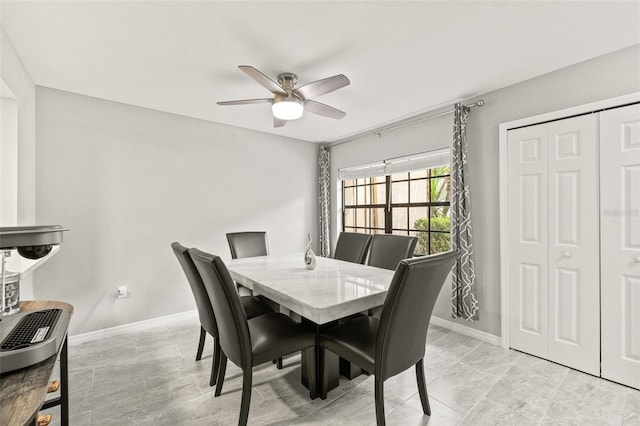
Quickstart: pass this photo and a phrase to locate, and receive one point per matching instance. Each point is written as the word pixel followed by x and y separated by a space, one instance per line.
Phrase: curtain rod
pixel 380 130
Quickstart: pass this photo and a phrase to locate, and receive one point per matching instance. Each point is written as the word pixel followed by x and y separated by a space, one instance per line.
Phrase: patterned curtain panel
pixel 463 301
pixel 325 199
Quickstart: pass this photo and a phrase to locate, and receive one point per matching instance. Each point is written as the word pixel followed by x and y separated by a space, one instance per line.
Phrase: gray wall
pixel 18 80
pixel 15 75
pixel 128 181
pixel 605 77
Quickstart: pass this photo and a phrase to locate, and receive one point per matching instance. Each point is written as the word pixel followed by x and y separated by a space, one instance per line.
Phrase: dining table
pixel 331 292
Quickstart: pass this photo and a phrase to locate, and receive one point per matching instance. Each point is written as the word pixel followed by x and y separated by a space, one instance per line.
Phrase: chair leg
pixel 246 396
pixel 221 372
pixel 203 335
pixel 422 387
pixel 216 362
pixel 379 396
pixel 279 363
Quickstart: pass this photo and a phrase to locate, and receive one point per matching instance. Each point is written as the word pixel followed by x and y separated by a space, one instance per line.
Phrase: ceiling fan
pixel 289 101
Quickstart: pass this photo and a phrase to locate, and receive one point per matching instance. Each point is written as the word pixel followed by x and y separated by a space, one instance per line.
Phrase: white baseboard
pixel 169 319
pixel 134 326
pixel 467 331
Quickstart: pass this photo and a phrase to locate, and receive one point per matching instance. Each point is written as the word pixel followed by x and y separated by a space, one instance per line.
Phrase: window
pixel 405 203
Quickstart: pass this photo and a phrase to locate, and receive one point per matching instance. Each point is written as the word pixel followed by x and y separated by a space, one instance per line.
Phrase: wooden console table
pixel 23 392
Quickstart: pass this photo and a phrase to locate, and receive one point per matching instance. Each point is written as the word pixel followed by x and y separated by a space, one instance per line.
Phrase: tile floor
pixel 151 377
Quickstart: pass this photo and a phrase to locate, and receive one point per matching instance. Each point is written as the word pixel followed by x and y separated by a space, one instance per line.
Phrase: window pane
pixel 398 232
pixel 360 217
pixel 419 191
pixel 378 194
pixel 440 189
pixel 400 176
pixel 349 182
pixel 360 181
pixel 418 217
pixel 399 192
pixel 440 221
pixel 378 179
pixel 360 191
pixel 377 218
pixel 440 171
pixel 422 246
pixel 349 197
pixel 418 174
pixel 399 215
pixel 440 242
pixel 349 218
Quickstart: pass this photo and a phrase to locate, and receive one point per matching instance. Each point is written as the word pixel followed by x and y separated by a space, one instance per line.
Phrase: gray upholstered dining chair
pixel 252 306
pixel 250 342
pixel 248 244
pixel 387 346
pixel 387 250
pixel 352 247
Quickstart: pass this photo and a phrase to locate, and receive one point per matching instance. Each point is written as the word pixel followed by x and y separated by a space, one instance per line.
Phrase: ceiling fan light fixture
pixel 287 109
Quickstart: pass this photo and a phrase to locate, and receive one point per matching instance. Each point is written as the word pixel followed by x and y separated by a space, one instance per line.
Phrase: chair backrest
pixel 388 250
pixel 352 247
pixel 205 310
pixel 402 333
pixel 233 330
pixel 248 244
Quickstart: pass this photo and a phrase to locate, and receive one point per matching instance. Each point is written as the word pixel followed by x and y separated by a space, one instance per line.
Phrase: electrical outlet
pixel 122 292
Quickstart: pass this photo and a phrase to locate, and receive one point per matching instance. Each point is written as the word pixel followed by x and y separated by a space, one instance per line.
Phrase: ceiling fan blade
pixel 320 87
pixel 324 110
pixel 246 101
pixel 278 122
pixel 265 81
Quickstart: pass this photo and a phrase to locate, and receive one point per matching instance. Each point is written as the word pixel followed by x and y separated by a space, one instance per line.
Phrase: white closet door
pixel 574 275
pixel 620 229
pixel 527 194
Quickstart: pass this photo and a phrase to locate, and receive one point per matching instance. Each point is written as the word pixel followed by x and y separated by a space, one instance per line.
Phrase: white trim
pixel 466 331
pixel 134 326
pixel 503 129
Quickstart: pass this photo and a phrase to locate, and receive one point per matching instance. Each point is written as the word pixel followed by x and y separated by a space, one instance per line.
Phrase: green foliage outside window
pixel 440 242
pixel 440 221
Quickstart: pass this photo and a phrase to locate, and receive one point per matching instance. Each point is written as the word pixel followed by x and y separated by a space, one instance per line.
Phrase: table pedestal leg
pixel 349 370
pixel 329 371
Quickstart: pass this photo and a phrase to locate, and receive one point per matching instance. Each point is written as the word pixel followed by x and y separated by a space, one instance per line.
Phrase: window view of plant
pixel 414 203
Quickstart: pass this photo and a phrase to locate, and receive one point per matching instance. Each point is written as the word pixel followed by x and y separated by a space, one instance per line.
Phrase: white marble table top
pixel 334 289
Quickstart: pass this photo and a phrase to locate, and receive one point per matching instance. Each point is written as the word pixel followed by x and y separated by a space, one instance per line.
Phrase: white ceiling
pixel 403 58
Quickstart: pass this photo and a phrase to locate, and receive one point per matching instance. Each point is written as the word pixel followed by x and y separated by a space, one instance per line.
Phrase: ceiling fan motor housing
pixel 287 80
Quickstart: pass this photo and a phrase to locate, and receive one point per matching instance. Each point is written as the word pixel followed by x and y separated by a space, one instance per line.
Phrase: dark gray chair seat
pixel 275 334
pixel 395 342
pixel 248 343
pixel 357 337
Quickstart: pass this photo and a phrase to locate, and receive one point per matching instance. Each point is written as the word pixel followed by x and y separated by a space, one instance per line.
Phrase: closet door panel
pixel 620 235
pixel 574 288
pixel 527 196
